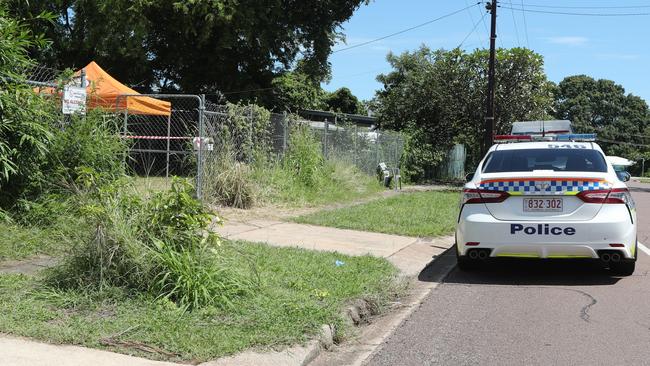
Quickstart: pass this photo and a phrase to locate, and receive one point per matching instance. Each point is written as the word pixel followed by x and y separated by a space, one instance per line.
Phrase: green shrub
pixel 162 246
pixel 304 159
pixel 228 182
pixel 89 141
pixel 194 278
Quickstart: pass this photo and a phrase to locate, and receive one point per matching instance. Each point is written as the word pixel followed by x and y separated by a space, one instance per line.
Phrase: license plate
pixel 543 205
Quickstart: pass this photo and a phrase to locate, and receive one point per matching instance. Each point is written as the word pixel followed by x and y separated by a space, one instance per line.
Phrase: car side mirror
pixel 623 176
pixel 469 177
pixel 626 177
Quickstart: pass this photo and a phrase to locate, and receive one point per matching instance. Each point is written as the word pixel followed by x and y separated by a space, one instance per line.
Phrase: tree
pixel 438 99
pixel 295 90
pixel 342 100
pixel 602 107
pixel 189 45
pixel 25 118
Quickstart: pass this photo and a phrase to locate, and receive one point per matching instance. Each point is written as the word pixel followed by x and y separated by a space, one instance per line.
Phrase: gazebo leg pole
pixel 169 127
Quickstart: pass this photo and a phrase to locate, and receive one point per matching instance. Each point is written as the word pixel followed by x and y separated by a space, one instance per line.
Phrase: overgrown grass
pixel 19 242
pixel 295 292
pixel 147 185
pixel 343 183
pixel 302 177
pixel 415 214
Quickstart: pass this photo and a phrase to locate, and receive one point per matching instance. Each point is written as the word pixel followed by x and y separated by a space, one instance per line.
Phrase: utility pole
pixel 489 115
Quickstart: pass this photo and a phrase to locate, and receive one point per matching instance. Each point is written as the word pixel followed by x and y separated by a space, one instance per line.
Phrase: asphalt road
pixel 532 313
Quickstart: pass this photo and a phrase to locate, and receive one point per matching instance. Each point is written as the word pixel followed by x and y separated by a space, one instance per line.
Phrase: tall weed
pixel 162 246
pixel 304 159
pixel 229 182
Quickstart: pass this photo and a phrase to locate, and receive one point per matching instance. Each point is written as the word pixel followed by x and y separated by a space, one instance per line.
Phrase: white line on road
pixel 644 249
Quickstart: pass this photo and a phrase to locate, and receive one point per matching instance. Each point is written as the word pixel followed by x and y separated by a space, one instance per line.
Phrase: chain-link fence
pixel 191 132
pixel 162 141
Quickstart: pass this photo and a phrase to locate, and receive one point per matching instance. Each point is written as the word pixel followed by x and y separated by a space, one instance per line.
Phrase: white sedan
pixel 547 199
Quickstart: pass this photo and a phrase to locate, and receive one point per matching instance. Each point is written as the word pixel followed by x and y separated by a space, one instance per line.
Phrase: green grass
pixel 414 214
pixel 19 242
pixel 341 183
pixel 296 291
pixel 146 185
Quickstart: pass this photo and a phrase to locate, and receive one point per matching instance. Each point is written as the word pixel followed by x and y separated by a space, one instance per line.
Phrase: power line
pixel 405 30
pixel 471 31
pixel 523 13
pixel 587 7
pixel 244 91
pixel 578 14
pixel 471 18
pixel 514 21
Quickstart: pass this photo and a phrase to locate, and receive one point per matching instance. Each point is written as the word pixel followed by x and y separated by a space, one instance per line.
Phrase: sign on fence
pixel 74 100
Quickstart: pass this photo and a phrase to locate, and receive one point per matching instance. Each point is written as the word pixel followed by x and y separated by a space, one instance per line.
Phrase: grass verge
pixel 19 242
pixel 297 291
pixel 342 183
pixel 431 213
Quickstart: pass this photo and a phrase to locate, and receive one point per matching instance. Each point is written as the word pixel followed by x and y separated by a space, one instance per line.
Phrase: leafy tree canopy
pixel 603 107
pixel 438 98
pixel 342 100
pixel 192 45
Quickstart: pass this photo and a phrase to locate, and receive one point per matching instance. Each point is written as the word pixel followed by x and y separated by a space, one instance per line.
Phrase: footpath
pixel 411 255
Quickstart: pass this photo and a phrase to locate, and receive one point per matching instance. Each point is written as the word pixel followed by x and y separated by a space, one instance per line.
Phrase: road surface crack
pixel 584 312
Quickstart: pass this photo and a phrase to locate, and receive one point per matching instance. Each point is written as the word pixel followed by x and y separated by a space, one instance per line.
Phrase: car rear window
pixel 561 160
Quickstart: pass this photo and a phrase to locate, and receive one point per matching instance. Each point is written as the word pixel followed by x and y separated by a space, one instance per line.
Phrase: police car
pixel 547 197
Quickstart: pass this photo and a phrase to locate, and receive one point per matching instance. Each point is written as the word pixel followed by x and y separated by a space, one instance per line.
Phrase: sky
pixel 616 48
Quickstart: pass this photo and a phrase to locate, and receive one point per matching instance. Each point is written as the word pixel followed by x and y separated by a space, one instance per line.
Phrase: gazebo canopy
pixel 106 92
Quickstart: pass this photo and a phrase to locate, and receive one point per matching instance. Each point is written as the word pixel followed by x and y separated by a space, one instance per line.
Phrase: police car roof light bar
pixel 577 137
pixel 512 138
pixel 582 137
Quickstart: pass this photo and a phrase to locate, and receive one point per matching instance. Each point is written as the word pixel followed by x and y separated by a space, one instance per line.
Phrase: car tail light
pixel 483 196
pixel 614 196
pixel 598 196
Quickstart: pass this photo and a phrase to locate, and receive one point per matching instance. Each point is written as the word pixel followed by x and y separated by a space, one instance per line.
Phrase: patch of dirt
pixel 29 266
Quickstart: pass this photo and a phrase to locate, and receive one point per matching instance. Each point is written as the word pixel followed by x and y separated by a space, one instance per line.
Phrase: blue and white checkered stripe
pixel 548 187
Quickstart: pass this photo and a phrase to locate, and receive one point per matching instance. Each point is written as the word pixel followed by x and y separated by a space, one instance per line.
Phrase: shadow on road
pixel 518 272
pixel 527 272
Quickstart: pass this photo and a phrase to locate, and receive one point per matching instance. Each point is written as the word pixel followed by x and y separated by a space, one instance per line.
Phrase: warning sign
pixel 74 100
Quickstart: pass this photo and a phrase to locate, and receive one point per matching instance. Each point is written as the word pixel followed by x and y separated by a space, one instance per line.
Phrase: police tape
pixel 156 137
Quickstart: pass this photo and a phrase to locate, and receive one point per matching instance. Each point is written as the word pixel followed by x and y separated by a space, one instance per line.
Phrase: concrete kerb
pixel 378 329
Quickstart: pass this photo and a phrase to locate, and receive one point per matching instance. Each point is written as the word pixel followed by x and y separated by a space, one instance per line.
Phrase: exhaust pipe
pixel 615 257
pixel 605 257
pixel 482 255
pixel 473 254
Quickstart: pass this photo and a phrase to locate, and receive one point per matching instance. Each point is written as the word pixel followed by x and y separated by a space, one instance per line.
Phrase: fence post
pixel 83 78
pixel 126 115
pixel 355 153
pixel 251 133
pixel 169 128
pixel 285 132
pixel 327 127
pixel 377 143
pixel 199 165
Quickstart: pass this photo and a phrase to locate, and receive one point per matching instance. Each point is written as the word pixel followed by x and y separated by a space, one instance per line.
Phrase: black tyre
pixel 623 268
